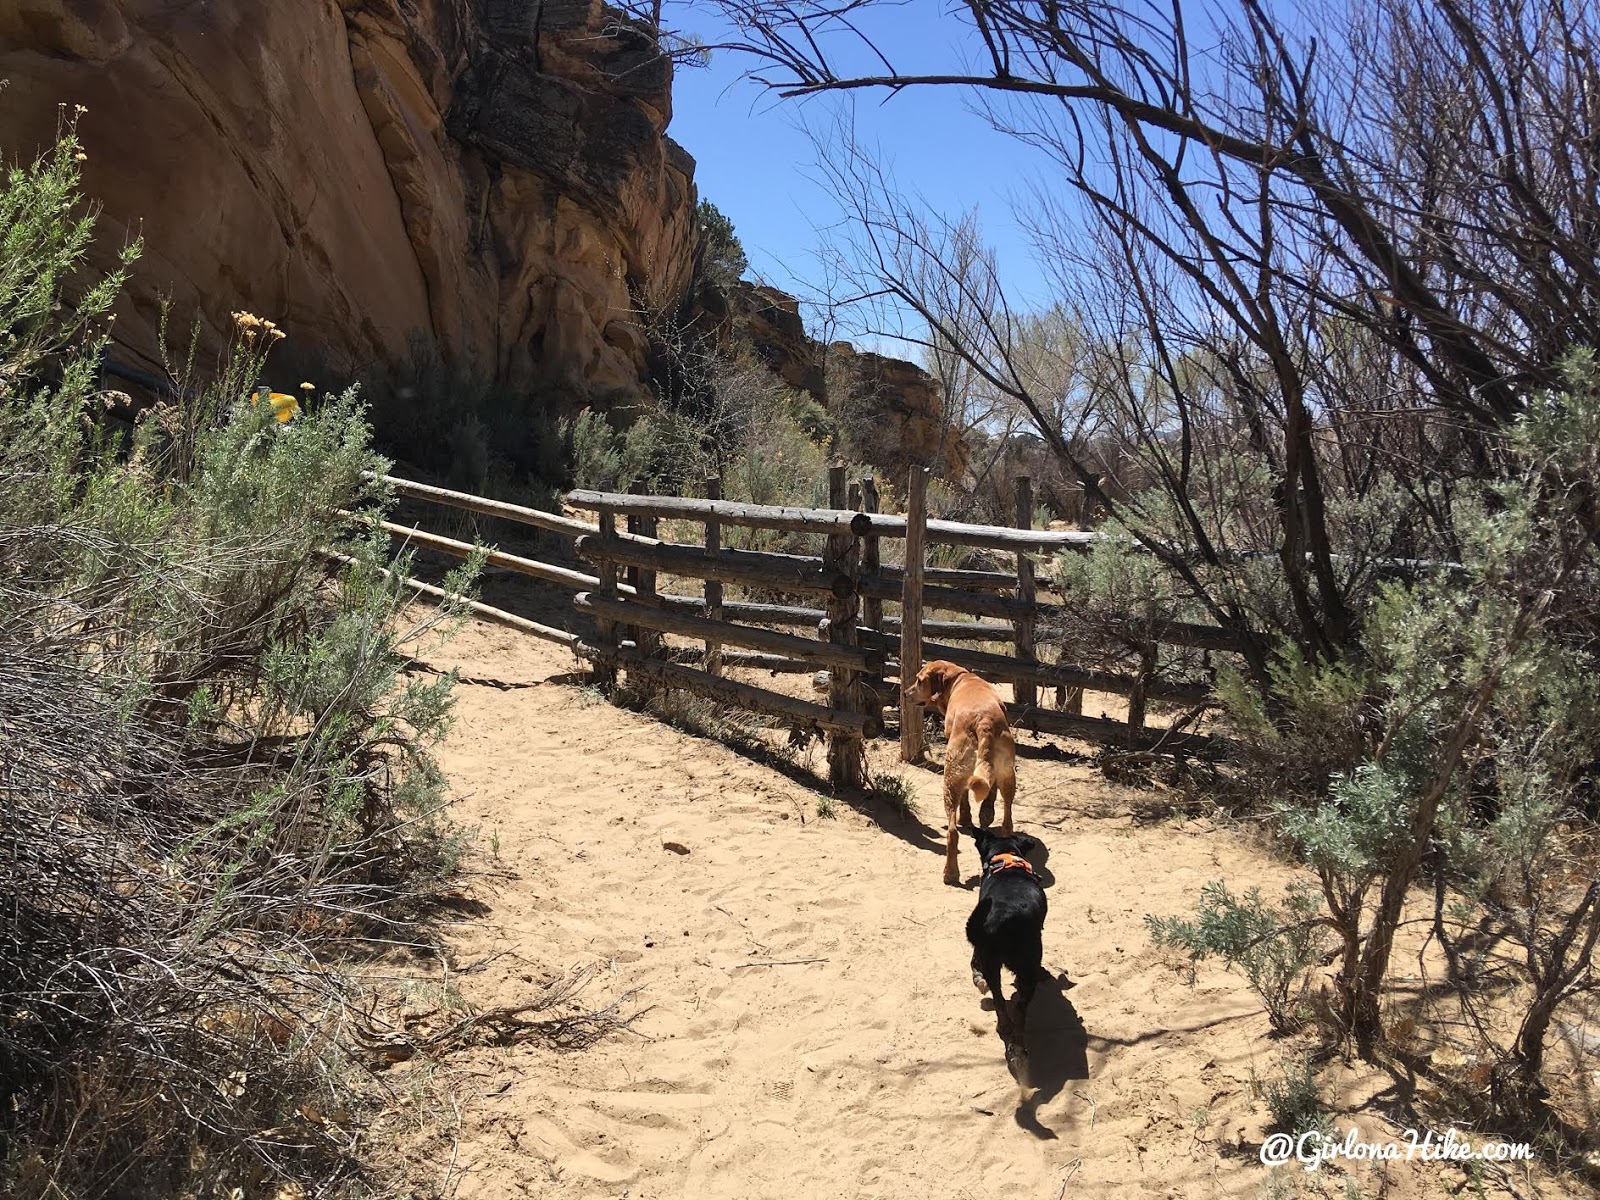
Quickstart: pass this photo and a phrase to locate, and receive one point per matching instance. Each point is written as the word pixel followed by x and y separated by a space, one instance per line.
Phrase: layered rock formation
pixel 493 180
pixel 891 410
pixel 490 180
pixel 768 321
pixel 895 413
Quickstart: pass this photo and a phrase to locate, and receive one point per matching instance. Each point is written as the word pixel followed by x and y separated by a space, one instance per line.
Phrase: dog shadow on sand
pixel 1058 1050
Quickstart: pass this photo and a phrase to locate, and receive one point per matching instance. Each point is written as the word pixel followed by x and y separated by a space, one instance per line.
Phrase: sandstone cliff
pixel 894 411
pixel 890 410
pixel 492 178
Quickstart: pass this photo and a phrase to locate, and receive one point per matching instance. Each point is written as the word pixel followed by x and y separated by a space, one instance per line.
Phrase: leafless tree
pixel 930 282
pixel 1322 256
pixel 1400 194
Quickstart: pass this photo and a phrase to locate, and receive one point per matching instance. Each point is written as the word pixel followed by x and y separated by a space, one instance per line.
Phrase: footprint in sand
pixel 781 1089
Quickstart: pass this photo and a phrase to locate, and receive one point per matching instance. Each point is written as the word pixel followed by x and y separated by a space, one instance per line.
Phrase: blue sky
pixel 756 163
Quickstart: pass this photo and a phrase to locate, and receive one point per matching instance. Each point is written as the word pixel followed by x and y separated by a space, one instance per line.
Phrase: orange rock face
pixel 494 179
pixel 897 411
pixel 894 409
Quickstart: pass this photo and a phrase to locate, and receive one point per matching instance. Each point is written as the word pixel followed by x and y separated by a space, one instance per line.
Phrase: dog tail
pixel 984 769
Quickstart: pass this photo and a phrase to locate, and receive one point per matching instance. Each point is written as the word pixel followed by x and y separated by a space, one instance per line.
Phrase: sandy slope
pixel 812 1027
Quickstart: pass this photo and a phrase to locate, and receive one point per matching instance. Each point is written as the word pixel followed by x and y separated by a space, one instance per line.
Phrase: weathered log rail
pixel 802 713
pixel 1001 668
pixel 727 633
pixel 1107 731
pixel 727 512
pixel 843 629
pixel 477 608
pixel 786 572
pixel 466 501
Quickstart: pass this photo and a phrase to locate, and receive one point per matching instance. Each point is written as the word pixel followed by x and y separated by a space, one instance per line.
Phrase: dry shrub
pixel 216 798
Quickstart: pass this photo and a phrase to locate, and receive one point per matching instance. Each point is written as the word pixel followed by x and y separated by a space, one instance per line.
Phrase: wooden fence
pixel 832 616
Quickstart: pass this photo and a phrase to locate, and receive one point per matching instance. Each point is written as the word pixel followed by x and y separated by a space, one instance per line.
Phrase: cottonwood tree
pixel 930 282
pixel 911 276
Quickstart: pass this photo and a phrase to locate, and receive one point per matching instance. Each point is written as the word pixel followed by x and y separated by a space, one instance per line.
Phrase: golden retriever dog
pixel 980 755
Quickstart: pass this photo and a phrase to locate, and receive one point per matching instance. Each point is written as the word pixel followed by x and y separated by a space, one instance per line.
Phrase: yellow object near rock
pixel 284 406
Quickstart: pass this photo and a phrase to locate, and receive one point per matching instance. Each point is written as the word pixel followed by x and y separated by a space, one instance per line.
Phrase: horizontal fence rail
pixel 842 636
pixel 1110 732
pixel 1010 670
pixel 488 508
pixel 948 533
pixel 738 695
pixel 953 631
pixel 792 572
pixel 988 537
pixel 727 512
pixel 729 633
pixel 962 577
pixel 478 609
pixel 530 567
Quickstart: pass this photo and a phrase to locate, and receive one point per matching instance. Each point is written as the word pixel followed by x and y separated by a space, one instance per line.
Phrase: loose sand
pixel 812 1029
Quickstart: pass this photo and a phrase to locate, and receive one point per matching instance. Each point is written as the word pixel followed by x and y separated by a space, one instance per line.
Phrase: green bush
pixel 1294 1101
pixel 1313 731
pixel 1272 947
pixel 606 458
pixel 896 791
pixel 216 782
pixel 723 261
pixel 715 415
pixel 1121 598
pixel 1458 740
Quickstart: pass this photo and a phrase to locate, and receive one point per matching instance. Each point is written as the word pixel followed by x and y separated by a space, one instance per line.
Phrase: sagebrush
pixel 215 782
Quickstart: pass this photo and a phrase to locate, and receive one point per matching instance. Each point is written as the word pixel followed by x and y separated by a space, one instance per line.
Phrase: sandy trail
pixel 812 1029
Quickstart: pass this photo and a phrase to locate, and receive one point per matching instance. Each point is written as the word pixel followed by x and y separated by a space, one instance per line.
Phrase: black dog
pixel 1007 929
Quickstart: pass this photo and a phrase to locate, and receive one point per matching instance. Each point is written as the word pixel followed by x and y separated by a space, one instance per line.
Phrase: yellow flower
pixel 285 407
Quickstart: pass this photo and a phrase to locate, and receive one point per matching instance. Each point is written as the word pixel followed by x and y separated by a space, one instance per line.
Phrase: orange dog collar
pixel 1009 862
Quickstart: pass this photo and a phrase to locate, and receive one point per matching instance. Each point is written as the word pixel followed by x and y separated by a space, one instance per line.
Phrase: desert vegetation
pixel 1322 356
pixel 1320 367
pixel 217 799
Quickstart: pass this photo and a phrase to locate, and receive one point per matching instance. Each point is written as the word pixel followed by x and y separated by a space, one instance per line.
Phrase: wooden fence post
pixel 713 586
pixel 605 632
pixel 1068 700
pixel 872 606
pixel 911 746
pixel 643 579
pixel 846 751
pixel 1025 693
pixel 1136 698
